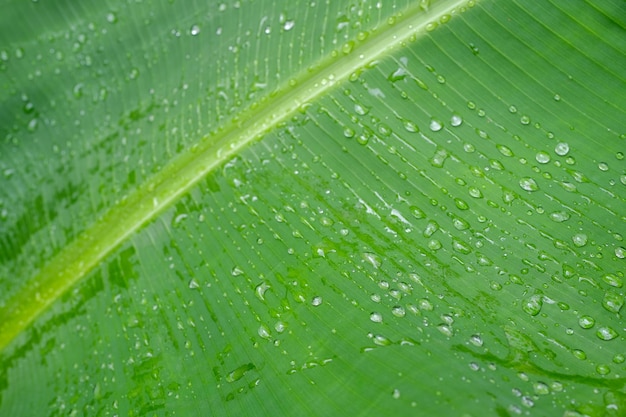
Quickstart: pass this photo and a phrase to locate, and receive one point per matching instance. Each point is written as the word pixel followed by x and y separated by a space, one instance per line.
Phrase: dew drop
pixel 613 280
pixel 445 330
pixel 542 157
pixel 373 259
pixel 398 311
pixel 613 302
pixel 559 216
pixel 348 132
pixel 409 126
pixel 528 184
pixel 561 149
pixel 435 125
pixel 381 340
pixel 505 150
pixel 456 120
pixel 376 317
pixel 476 340
pixel 620 252
pixel 424 304
pixel 193 284
pixel 579 354
pixel 194 30
pixel 606 333
pixel 541 389
pixel 289 24
pixel 316 301
pixel 263 331
pixel 586 322
pixel 579 239
pixel 533 305
pixel 603 370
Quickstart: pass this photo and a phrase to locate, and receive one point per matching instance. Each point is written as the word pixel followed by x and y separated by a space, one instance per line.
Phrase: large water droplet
pixel 533 304
pixel 528 184
pixel 373 259
pixel 606 333
pixel 613 302
pixel 561 149
pixel 376 317
pixel 435 125
pixel 579 239
pixel 586 322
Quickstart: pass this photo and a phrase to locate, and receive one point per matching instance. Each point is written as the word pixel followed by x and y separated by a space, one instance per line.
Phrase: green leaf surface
pixel 270 208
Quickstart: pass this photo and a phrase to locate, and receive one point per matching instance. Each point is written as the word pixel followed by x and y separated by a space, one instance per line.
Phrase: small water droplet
pixel 586 322
pixel 395 394
pixel 381 340
pixel 410 126
pixel 606 333
pixel 603 369
pixel 289 24
pixel 505 150
pixel 476 340
pixel 194 30
pixel 439 158
pixel 398 311
pixel 424 304
pixel 559 216
pixel 193 284
pixel 533 305
pixel 456 120
pixel 316 301
pixel 579 239
pixel 541 389
pixel 260 290
pixel 264 332
pixel 561 149
pixel 111 17
pixel 373 259
pixel 542 157
pixel 525 120
pixel 613 280
pixel 620 252
pixel 528 184
pixel 435 125
pixel 446 330
pixel 376 317
pixel 613 302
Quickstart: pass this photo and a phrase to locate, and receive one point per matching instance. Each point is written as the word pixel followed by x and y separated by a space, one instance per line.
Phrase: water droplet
pixel 533 305
pixel 439 158
pixel 559 216
pixel 620 252
pixel 579 239
pixel 373 259
pixel 476 340
pixel 417 212
pixel 446 330
pixel 410 126
pixel 525 120
pixel 460 224
pixel 193 284
pixel 619 358
pixel 289 24
pixel 381 340
pixel 586 322
pixel 603 369
pixel 264 332
pixel 435 125
pixel 613 302
pixel 194 30
pixel 475 192
pixel 461 247
pixel 236 271
pixel 456 120
pixel 579 354
pixel 613 280
pixel 434 245
pixel 461 205
pixel 316 301
pixel 606 333
pixel 398 75
pixel 398 311
pixel 239 373
pixel 505 150
pixel 260 290
pixel 542 157
pixel 541 389
pixel 376 317
pixel 360 109
pixel 395 394
pixel 561 149
pixel 528 184
pixel 424 304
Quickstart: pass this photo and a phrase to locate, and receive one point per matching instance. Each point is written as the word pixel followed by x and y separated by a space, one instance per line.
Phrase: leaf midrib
pixel 92 246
